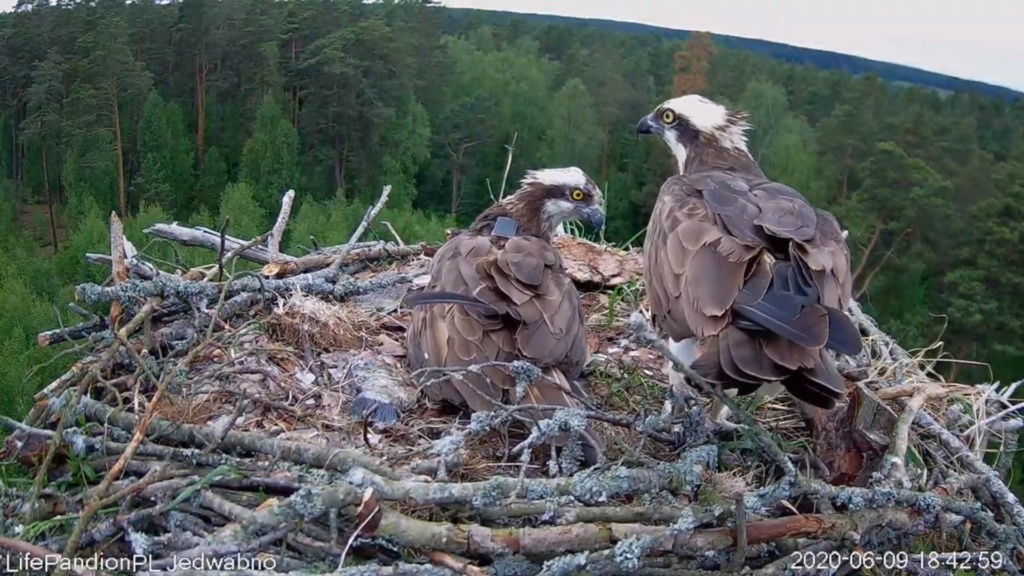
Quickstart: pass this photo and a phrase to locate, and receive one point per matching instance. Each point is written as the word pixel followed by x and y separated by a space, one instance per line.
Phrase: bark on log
pixel 320 260
pixel 210 239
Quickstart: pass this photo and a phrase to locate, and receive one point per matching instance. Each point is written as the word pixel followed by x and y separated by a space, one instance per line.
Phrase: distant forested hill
pixel 786 52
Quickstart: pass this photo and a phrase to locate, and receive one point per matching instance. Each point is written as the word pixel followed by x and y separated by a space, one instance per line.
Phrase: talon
pixel 691 401
pixel 680 438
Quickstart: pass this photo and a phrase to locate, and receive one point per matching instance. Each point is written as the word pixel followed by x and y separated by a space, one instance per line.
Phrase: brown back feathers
pixel 528 309
pixel 750 265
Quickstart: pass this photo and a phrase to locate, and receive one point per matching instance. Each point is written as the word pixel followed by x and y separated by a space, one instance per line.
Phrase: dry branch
pixel 118 267
pixel 217 422
pixel 205 238
pixel 367 218
pixel 274 243
pixel 317 261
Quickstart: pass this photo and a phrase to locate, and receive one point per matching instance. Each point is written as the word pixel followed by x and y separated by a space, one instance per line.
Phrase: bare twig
pixel 137 436
pixel 364 252
pixel 895 466
pixel 740 514
pixel 119 271
pixel 393 233
pixel 946 438
pixel 210 239
pixel 367 218
pixel 274 244
pixel 642 329
pixel 224 549
pixel 328 458
pixel 508 164
pixel 226 259
pixel 152 411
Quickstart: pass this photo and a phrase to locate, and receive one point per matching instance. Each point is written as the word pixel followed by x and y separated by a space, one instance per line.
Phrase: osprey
pixel 498 292
pixel 743 263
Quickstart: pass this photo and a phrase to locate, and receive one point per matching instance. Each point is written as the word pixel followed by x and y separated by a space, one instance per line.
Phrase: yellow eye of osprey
pixel 668 116
pixel 577 195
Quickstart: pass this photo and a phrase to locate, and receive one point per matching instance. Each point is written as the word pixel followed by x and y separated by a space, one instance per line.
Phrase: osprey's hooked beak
pixel 648 125
pixel 594 216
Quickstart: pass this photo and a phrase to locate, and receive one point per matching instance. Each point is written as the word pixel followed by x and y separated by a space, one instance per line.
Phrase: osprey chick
pixel 745 262
pixel 498 292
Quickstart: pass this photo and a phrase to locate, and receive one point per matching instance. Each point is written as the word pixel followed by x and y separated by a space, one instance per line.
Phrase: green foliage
pixel 406 146
pixel 247 218
pixel 213 178
pixel 573 137
pixel 330 223
pixel 333 222
pixel 89 234
pixel 166 156
pixel 270 157
pixel 782 143
pixel 90 173
pixel 24 312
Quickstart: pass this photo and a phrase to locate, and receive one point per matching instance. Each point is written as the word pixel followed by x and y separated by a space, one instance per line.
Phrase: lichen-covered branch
pixel 320 260
pixel 327 286
pixel 327 458
pixel 214 425
pixel 210 239
pixel 957 450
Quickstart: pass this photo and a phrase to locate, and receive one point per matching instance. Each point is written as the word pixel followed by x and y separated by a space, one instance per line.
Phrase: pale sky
pixel 973 39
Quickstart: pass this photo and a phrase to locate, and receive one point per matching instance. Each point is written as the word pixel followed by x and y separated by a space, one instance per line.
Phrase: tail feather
pixel 821 386
pixel 779 333
pixel 378 411
pixel 784 300
pixel 736 359
pixel 779 313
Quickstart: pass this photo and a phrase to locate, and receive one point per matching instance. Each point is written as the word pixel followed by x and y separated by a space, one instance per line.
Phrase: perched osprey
pixel 747 263
pixel 500 294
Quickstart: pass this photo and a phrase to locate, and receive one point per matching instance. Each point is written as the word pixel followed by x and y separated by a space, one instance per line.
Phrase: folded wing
pixel 750 265
pixel 526 307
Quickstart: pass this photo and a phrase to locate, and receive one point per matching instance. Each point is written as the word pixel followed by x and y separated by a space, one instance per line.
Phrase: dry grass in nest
pixel 781 417
pixel 915 376
pixel 301 320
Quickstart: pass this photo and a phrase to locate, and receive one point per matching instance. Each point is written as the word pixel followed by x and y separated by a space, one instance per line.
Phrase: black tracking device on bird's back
pixel 497 293
pixel 505 227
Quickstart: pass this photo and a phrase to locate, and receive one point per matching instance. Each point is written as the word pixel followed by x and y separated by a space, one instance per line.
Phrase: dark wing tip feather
pixel 803 388
pixel 378 412
pixel 427 297
pixel 709 366
pixel 778 313
pixel 843 335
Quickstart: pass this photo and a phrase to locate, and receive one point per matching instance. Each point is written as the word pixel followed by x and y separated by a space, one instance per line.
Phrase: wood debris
pixel 272 419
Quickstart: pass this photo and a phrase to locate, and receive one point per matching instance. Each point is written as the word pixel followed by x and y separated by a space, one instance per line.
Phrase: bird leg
pixel 682 394
pixel 720 412
pixel 767 391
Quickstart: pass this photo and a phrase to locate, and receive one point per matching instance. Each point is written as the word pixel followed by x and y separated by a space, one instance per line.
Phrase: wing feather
pixel 539 319
pixel 751 265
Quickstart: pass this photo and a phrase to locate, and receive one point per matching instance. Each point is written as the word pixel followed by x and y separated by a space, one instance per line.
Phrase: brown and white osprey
pixel 746 263
pixel 500 293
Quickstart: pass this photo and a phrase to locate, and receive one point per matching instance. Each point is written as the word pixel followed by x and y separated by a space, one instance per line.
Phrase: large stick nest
pixel 211 417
